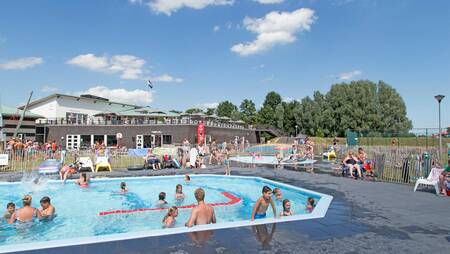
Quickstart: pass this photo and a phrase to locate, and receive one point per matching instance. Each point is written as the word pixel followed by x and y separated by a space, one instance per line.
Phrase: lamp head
pixel 439 97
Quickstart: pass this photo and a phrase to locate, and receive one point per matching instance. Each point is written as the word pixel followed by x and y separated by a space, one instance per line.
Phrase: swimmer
pixel 27 213
pixel 179 192
pixel 169 219
pixel 123 187
pixel 162 199
pixel 10 209
pixel 278 194
pixel 83 181
pixel 187 179
pixel 286 208
pixel 310 204
pixel 48 210
pixel 260 208
pixel 201 213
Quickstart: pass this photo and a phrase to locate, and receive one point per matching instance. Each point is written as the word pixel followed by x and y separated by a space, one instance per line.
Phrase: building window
pixel 100 139
pixel 167 139
pixel 85 141
pixel 111 140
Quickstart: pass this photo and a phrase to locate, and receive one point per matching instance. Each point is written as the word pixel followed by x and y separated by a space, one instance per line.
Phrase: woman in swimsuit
pixel 83 181
pixel 26 213
pixel 351 162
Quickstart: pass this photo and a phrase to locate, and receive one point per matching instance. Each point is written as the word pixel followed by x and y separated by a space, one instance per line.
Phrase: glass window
pixel 111 140
pixel 167 139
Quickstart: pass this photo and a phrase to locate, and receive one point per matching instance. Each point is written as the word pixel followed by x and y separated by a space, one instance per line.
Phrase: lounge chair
pixel 432 179
pixel 102 162
pixel 86 163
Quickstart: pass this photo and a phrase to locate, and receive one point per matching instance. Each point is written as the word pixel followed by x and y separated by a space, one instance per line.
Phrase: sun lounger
pixel 432 179
pixel 86 163
pixel 102 162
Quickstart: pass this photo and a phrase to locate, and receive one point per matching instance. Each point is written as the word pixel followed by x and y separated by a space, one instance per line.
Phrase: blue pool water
pixel 78 209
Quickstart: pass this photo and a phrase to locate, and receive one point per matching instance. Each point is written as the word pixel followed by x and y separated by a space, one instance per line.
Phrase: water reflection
pixel 200 237
pixel 262 235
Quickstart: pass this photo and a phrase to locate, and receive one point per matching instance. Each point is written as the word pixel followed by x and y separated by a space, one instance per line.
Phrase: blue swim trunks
pixel 260 216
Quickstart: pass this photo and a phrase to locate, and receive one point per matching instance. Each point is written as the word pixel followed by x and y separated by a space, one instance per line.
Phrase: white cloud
pixel 21 63
pixel 135 97
pixel 135 1
pixel 349 75
pixel 128 66
pixel 276 28
pixel 49 89
pixel 216 28
pixel 166 78
pixel 269 1
pixel 169 6
pixel 209 105
pixel 229 25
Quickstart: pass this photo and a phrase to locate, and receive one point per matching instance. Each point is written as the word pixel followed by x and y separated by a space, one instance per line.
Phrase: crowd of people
pixel 19 149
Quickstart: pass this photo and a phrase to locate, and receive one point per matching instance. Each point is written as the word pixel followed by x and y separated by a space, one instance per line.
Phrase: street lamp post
pixel 296 130
pixel 439 98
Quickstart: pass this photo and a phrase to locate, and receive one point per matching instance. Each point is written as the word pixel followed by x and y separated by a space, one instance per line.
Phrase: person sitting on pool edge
pixel 179 192
pixel 260 208
pixel 10 209
pixel 162 199
pixel 26 213
pixel 83 181
pixel 286 208
pixel 201 213
pixel 48 210
pixel 169 219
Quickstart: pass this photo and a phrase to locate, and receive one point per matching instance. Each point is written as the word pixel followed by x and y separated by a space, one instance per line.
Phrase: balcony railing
pixel 115 122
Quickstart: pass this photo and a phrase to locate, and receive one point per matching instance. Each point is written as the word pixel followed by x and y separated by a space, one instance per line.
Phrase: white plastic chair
pixel 432 179
pixel 86 162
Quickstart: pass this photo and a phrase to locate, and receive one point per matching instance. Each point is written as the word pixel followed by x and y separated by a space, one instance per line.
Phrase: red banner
pixel 200 133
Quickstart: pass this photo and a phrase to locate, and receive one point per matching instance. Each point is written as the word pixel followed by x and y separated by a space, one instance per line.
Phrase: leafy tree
pixel 226 108
pixel 194 111
pixel 248 111
pixel 210 111
pixel 176 111
pixel 266 115
pixel 279 116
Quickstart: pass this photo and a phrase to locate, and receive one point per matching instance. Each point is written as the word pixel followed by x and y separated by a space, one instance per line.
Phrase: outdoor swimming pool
pixel 266 159
pixel 100 213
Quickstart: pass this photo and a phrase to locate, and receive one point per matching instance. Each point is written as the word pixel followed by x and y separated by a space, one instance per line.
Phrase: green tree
pixel 279 116
pixel 248 111
pixel 210 111
pixel 194 111
pixel 226 108
pixel 266 114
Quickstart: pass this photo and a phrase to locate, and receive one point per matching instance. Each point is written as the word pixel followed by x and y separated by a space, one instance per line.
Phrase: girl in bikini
pixel 169 219
pixel 286 208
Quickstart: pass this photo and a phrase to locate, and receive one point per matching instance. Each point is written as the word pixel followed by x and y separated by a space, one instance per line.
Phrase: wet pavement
pixel 364 217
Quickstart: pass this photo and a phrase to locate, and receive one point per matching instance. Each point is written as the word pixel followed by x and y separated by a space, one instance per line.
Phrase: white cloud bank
pixel 127 66
pixel 21 63
pixel 134 97
pixel 275 28
pixel 349 75
pixel 170 6
pixel 269 1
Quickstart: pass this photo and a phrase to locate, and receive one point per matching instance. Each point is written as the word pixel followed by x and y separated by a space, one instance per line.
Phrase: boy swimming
pixel 169 219
pixel 260 208
pixel 47 210
pixel 123 187
pixel 179 192
pixel 10 209
pixel 162 199
pixel 286 208
pixel 310 204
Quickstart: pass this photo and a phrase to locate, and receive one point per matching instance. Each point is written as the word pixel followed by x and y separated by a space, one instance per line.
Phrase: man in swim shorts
pixel 260 208
pixel 201 213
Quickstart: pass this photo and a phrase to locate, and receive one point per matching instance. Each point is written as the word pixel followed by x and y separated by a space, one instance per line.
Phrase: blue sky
pixel 200 52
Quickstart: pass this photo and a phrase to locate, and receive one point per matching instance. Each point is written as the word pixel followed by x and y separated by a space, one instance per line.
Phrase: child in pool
pixel 162 199
pixel 169 219
pixel 47 210
pixel 187 179
pixel 278 194
pixel 286 208
pixel 123 187
pixel 179 192
pixel 260 208
pixel 310 204
pixel 10 209
pixel 83 181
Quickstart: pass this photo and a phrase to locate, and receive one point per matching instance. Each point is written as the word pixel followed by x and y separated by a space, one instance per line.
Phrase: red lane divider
pixel 233 200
